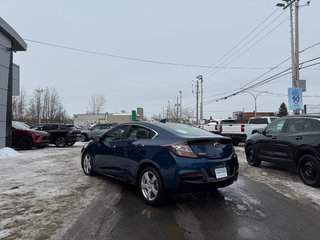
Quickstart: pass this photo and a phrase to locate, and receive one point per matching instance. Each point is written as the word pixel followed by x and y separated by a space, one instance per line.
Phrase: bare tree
pixel 96 103
pixel 19 105
pixel 48 106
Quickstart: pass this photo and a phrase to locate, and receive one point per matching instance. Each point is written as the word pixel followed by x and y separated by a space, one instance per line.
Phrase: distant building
pixel 10 42
pixel 247 115
pixel 87 120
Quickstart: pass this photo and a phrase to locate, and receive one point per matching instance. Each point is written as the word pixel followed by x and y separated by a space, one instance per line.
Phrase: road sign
pixel 295 98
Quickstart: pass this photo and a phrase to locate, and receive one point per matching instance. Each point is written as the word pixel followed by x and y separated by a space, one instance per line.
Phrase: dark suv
pixel 292 141
pixel 60 134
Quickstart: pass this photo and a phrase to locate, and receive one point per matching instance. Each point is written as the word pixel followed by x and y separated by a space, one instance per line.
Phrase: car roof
pixel 303 116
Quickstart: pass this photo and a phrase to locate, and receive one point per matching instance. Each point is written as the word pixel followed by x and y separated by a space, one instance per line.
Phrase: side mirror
pixel 260 131
pixel 96 139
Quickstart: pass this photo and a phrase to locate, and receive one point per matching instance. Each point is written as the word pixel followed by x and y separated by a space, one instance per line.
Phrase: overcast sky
pixel 148 51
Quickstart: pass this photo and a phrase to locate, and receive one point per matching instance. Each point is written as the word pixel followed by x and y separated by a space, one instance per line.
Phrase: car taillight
pixel 182 149
pixel 242 128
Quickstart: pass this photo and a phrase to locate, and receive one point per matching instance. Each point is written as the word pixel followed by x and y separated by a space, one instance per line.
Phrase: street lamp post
pixel 39 103
pixel 255 96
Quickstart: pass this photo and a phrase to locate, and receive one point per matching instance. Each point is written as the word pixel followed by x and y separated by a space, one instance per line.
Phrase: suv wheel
pixel 83 138
pixel 25 143
pixel 309 170
pixel 251 156
pixel 71 143
pixel 61 142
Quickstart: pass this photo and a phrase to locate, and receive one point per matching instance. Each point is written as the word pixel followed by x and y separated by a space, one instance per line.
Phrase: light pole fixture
pixel 255 96
pixel 39 90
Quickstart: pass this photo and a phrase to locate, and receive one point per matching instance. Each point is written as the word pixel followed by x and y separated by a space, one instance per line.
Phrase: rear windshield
pixel 187 130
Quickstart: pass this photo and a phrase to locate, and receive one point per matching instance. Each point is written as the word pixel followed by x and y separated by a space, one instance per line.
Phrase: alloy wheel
pixel 86 164
pixel 149 186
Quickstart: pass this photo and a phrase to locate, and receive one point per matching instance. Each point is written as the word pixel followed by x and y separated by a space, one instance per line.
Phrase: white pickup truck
pixel 235 129
pixel 239 130
pixel 255 123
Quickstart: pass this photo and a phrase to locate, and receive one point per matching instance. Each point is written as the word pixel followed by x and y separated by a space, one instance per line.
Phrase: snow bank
pixel 8 152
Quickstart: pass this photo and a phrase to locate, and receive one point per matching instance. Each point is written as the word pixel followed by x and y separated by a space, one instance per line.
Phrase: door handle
pixel 274 137
pixel 298 138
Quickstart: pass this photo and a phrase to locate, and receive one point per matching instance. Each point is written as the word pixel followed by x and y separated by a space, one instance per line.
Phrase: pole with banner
pixel 295 99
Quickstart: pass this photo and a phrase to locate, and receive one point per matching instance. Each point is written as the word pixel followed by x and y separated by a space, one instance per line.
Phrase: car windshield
pixel 187 130
pixel 20 125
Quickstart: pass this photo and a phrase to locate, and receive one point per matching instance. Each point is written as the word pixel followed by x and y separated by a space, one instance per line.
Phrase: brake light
pixel 182 149
pixel 242 128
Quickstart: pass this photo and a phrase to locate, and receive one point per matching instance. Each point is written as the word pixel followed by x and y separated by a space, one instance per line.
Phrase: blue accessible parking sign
pixel 295 98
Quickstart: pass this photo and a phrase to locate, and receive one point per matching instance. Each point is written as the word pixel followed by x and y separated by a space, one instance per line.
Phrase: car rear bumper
pixel 203 186
pixel 204 175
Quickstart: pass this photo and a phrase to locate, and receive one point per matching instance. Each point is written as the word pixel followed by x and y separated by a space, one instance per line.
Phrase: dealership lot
pixel 43 191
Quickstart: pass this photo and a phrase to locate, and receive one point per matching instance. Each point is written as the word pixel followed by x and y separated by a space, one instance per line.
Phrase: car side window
pixel 116 133
pixel 316 124
pixel 296 125
pixel 139 132
pixel 275 127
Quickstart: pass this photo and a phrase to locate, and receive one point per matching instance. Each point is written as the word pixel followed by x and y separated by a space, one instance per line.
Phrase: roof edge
pixel 18 44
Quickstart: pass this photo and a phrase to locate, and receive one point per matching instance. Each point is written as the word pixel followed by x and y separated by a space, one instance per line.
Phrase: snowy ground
pixel 42 191
pixel 284 181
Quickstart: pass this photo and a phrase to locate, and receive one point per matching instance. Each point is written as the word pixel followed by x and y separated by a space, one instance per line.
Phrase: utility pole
pixel 201 95
pixel 197 102
pixel 180 116
pixel 295 59
pixel 296 43
pixel 177 109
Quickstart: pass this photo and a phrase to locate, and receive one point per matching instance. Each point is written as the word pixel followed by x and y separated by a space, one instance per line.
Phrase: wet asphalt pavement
pixel 244 210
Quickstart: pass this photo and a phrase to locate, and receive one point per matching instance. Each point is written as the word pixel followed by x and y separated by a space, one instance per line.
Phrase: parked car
pixel 25 138
pixel 161 158
pixel 98 129
pixel 291 141
pixel 213 126
pixel 60 134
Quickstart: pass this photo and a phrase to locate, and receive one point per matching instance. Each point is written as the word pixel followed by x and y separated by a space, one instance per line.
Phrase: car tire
pixel 60 142
pixel 70 143
pixel 150 186
pixel 25 143
pixel 83 138
pixel 87 164
pixel 309 170
pixel 252 156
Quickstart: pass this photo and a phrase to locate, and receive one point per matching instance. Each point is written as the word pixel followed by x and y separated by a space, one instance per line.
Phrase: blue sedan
pixel 162 158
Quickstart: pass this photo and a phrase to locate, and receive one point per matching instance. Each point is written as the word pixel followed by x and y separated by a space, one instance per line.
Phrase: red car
pixel 25 138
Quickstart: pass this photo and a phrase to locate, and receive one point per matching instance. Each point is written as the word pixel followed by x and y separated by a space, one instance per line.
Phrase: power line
pixel 241 41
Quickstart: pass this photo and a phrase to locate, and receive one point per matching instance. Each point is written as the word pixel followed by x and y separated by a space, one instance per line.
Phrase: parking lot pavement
pixel 284 181
pixel 43 191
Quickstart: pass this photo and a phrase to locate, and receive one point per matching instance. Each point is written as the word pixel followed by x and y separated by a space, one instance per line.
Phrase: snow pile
pixel 8 152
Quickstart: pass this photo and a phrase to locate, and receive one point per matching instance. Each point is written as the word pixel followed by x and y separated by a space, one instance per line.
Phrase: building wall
pixel 5 54
pixel 86 120
pixel 10 42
